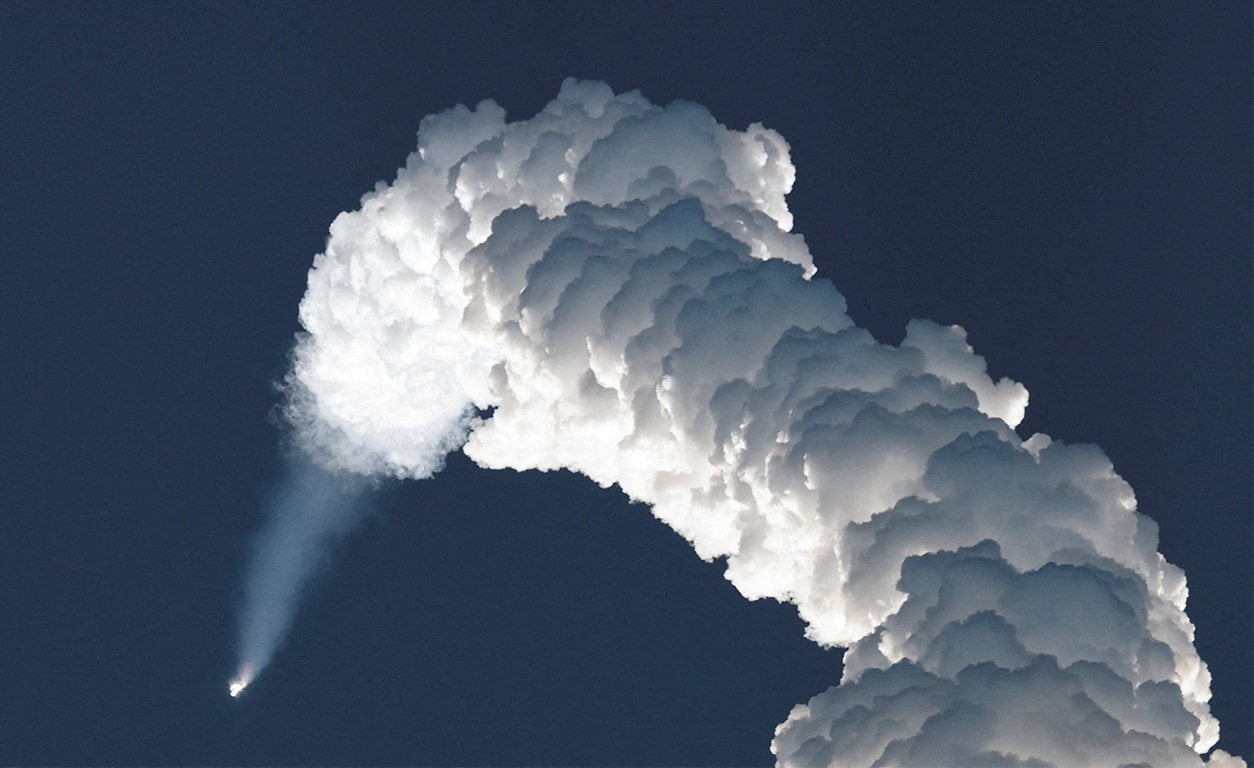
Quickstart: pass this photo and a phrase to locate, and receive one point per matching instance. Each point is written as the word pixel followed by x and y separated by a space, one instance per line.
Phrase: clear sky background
pixel 1069 181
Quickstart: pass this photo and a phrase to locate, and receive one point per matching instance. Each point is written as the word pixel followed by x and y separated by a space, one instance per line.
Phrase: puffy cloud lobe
pixel 617 283
pixel 984 662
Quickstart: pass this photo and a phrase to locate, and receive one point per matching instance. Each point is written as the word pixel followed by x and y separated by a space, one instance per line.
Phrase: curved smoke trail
pixel 618 282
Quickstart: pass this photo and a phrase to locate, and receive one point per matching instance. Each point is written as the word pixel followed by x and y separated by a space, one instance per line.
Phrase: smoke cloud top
pixel 617 283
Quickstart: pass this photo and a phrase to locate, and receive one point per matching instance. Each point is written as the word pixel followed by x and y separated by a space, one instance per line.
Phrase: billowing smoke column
pixel 616 283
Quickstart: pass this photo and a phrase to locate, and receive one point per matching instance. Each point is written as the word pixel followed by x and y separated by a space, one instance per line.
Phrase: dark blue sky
pixel 1069 181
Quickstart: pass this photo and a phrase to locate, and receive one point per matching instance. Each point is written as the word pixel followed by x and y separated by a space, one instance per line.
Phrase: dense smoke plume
pixel 617 283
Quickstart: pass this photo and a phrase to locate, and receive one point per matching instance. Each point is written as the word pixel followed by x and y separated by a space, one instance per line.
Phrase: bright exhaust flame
pixel 241 681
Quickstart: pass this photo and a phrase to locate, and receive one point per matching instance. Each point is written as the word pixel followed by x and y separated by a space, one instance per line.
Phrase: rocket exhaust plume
pixel 307 511
pixel 617 283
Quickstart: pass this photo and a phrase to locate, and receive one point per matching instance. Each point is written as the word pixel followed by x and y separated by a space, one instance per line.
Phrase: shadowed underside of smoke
pixel 619 283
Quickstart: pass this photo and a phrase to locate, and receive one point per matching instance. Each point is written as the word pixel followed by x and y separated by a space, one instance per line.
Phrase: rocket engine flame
pixel 241 681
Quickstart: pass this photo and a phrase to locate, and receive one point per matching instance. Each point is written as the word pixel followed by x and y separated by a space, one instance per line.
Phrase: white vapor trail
pixel 618 281
pixel 306 512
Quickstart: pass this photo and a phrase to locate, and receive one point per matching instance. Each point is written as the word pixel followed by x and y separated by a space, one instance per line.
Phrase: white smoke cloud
pixel 617 282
